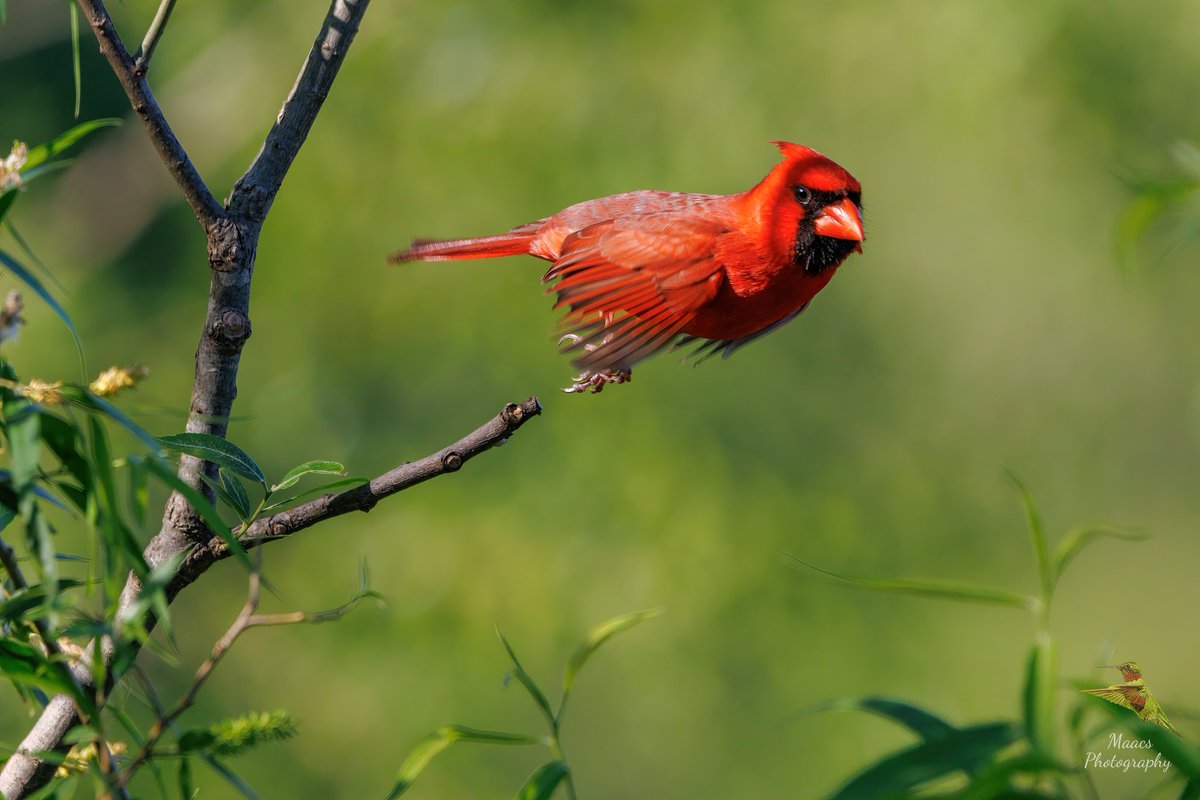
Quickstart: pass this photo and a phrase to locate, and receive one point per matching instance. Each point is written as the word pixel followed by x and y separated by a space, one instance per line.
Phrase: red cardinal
pixel 642 271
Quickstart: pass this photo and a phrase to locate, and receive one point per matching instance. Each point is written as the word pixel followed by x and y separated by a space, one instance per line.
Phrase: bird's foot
pixel 594 382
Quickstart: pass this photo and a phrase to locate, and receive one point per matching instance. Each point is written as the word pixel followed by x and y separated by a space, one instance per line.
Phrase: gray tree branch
pixel 146 107
pixel 232 239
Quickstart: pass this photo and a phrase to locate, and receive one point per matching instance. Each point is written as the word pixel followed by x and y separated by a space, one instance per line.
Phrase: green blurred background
pixel 987 323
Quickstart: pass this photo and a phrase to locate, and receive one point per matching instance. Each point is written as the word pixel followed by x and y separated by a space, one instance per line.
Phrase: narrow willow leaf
pixel 63 440
pixel 316 491
pixel 527 681
pixel 28 278
pixel 947 590
pixel 219 451
pixel 1039 696
pixel 1078 539
pixel 75 55
pixel 924 723
pixel 544 780
pixel 31 600
pixel 308 468
pixel 1037 536
pixel 20 240
pixel 24 432
pixel 899 774
pixel 428 748
pixel 44 152
pixel 21 663
pixel 229 775
pixel 202 507
pixel 85 399
pixel 6 202
pixel 998 781
pixel 185 779
pixel 596 637
pixel 236 493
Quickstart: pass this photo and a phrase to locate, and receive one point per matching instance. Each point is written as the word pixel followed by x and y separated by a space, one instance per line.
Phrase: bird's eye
pixel 802 194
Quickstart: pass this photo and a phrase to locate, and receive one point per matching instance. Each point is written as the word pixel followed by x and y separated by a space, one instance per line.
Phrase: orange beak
pixel 840 221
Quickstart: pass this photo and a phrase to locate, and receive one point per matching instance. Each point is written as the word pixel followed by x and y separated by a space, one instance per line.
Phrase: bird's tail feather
pixel 504 244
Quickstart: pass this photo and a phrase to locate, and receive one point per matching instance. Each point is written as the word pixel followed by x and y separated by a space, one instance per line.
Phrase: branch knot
pixel 231 329
pixel 226 247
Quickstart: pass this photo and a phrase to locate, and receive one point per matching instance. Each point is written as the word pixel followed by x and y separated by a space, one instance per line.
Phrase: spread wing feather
pixel 1123 694
pixel 631 284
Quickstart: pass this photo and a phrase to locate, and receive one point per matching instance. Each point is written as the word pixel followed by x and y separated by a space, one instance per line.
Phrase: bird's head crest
pixel 808 167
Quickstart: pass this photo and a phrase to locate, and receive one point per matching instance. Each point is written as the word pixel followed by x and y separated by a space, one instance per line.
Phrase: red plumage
pixel 640 271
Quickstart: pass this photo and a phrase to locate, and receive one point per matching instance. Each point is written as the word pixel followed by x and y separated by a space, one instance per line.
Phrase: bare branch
pixel 246 619
pixel 30 772
pixel 146 107
pixel 256 189
pixel 363 498
pixel 141 61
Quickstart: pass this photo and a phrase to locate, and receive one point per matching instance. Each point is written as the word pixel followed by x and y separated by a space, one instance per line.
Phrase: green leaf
pixel 1039 696
pixel 595 638
pixel 1079 538
pixel 229 775
pixel 6 202
pixel 21 663
pixel 1037 537
pixel 83 398
pixel 527 681
pixel 544 780
pixel 219 451
pixel 27 277
pixel 63 440
pixel 185 779
pixel 235 494
pixel 202 507
pixel 946 590
pixel 24 442
pixel 308 468
pixel 75 55
pixel 44 152
pixel 31 600
pixel 428 748
pixel 24 245
pixel 924 723
pixel 899 774
pixel 343 483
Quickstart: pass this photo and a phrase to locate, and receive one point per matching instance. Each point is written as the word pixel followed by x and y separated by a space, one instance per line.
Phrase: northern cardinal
pixel 642 271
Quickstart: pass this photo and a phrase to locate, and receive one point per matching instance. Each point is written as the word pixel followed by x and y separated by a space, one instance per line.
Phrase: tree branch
pixel 146 107
pixel 141 61
pixel 256 189
pixel 232 246
pixel 30 772
pixel 494 432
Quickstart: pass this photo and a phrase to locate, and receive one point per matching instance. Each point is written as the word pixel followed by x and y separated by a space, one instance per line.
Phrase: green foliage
pixel 236 736
pixel 1165 210
pixel 63 467
pixel 1002 758
pixel 546 778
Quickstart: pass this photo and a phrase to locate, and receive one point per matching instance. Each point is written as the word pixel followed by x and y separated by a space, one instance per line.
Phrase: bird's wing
pixel 1126 695
pixel 631 284
pixel 727 347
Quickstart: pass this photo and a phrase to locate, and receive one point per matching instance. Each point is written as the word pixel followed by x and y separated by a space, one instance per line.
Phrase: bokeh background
pixel 988 323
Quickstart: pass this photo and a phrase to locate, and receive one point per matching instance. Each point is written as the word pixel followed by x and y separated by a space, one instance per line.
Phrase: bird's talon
pixel 594 382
